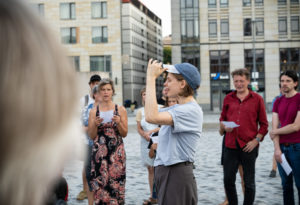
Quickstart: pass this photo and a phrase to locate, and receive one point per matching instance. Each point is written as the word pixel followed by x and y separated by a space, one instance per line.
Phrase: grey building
pixel 218 36
pixel 141 40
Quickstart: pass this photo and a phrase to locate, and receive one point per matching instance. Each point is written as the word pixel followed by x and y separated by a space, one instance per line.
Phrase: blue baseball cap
pixel 189 72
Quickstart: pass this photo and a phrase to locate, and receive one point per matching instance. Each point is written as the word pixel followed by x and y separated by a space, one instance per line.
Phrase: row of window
pixel 219 61
pixel 69 35
pixel 68 10
pixel 97 63
pixel 224 3
pixel 248 26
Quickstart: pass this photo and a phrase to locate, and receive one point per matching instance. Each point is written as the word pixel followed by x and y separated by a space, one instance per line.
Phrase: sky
pixel 162 9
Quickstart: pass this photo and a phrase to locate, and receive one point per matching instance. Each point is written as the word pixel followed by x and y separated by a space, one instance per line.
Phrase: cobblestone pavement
pixel 208 172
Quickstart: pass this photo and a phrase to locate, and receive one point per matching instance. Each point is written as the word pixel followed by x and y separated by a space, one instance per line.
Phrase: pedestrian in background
pixel 145 130
pixel 39 126
pixel 286 137
pixel 246 108
pixel 178 136
pixel 86 102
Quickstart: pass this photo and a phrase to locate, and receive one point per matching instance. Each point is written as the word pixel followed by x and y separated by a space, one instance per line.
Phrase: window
pixel 282 25
pixel 246 2
pixel 189 3
pixel 224 27
pixel 67 11
pixel 99 10
pixel 259 26
pixel 189 28
pixel 223 3
pixel 191 54
pixel 75 62
pixel 295 24
pixel 219 63
pixel 100 63
pixel 68 35
pixel 99 34
pixel 212 3
pixel 294 1
pixel 282 2
pixel 212 25
pixel 39 8
pixel 247 27
pixel 259 2
pixel 290 59
pixel 259 74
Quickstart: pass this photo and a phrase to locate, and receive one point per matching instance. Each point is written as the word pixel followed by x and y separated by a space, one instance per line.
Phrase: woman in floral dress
pixel 107 126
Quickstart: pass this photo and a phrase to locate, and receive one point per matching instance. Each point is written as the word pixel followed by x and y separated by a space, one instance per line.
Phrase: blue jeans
pixel 292 155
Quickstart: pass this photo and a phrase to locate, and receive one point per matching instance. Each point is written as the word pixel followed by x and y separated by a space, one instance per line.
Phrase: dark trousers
pixel 232 159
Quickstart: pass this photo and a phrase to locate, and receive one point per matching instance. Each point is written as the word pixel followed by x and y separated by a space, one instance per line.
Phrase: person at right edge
pixel 286 138
pixel 178 136
pixel 246 108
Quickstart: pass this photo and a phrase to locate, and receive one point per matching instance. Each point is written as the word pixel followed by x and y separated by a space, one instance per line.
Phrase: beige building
pixel 91 31
pixel 219 36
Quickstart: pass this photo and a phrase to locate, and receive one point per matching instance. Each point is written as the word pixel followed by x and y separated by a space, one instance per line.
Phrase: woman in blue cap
pixel 179 134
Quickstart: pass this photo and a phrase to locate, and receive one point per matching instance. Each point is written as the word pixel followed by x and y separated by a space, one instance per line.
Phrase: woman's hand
pixel 147 135
pixel 98 121
pixel 116 119
pixel 155 68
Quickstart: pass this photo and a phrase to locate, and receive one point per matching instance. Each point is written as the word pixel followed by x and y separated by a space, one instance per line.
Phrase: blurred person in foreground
pixel 107 126
pixel 247 109
pixel 285 134
pixel 178 136
pixel 40 124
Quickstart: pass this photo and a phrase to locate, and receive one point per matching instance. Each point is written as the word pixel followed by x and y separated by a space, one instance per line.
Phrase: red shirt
pixel 287 109
pixel 248 113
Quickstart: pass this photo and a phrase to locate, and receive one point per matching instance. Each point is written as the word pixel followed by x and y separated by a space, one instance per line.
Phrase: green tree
pixel 167 55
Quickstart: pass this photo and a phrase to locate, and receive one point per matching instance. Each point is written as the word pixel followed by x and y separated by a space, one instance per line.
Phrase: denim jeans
pixel 292 155
pixel 232 159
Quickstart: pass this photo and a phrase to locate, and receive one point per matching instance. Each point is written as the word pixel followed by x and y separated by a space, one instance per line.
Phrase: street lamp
pixel 254 84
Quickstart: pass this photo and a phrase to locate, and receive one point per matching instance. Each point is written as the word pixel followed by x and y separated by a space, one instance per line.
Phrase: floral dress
pixel 108 168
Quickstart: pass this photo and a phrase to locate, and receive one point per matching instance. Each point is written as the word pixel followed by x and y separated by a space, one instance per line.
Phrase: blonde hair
pixel 37 105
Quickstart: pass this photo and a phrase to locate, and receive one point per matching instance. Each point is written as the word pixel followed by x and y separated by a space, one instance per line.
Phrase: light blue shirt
pixel 178 143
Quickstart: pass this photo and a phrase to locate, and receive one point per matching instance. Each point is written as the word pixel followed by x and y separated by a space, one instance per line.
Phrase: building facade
pixel 92 33
pixel 219 36
pixel 141 41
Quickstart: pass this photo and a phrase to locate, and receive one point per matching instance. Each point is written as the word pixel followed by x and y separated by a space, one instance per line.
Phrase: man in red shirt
pixel 246 108
pixel 286 137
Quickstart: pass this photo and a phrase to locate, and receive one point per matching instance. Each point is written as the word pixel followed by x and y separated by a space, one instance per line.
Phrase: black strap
pixel 116 110
pixel 98 112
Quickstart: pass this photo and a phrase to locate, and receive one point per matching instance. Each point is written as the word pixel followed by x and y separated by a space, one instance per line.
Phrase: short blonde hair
pixel 38 104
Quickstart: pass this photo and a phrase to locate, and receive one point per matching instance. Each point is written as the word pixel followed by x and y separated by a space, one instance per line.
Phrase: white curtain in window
pixel 104 12
pixel 190 28
pixel 282 25
pixel 65 35
pixel 96 34
pixel 259 27
pixel 213 28
pixel 96 9
pixel 104 34
pixel 224 27
pixel 295 24
pixel 64 11
pixel 73 11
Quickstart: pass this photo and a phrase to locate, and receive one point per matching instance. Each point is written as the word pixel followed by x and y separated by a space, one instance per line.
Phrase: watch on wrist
pixel 257 139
